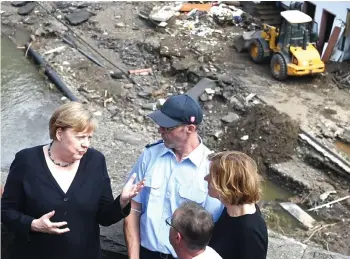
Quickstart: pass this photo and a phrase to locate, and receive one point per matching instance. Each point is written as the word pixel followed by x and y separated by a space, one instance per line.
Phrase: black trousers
pixel 147 254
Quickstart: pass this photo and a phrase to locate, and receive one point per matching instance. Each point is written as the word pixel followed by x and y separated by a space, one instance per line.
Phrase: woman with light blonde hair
pixel 57 195
pixel 240 231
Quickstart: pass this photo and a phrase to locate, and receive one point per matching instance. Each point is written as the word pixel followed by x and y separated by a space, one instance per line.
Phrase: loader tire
pixel 256 51
pixel 278 67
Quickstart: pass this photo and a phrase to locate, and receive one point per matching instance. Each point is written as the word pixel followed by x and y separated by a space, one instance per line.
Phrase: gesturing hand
pixel 45 225
pixel 130 190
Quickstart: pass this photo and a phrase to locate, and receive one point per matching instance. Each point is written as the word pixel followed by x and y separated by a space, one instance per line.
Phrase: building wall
pixel 339 9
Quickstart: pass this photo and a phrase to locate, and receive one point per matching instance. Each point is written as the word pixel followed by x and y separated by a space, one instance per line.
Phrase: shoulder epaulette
pixel 153 144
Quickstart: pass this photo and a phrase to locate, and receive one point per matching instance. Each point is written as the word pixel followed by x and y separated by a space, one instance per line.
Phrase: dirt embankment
pixel 263 133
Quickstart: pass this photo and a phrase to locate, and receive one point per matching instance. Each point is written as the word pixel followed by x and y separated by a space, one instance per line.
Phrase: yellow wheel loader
pixel 290 48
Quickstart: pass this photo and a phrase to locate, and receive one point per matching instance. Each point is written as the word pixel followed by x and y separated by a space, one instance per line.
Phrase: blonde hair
pixel 234 175
pixel 71 115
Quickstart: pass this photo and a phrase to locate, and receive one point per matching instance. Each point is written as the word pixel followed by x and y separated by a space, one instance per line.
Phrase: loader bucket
pixel 242 42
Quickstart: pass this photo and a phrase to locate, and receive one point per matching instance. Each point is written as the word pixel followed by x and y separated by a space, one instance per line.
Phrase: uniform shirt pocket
pixel 193 194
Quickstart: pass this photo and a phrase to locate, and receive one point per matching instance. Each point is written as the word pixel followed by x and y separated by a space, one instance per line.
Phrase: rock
pixel 83 5
pixel 40 31
pixel 179 65
pixel 204 97
pixel 218 134
pixel 150 106
pixel 5 21
pixel 128 86
pixel 233 3
pixel 225 79
pixel 119 25
pixel 117 75
pixel 133 139
pixel 237 104
pixel 201 59
pixel 345 136
pixel 26 9
pixel 113 109
pixel 209 106
pixel 78 17
pixel 140 119
pixel 168 49
pixel 152 44
pixel 56 26
pixel 144 94
pixel 19 3
pixel 230 117
pixel 159 92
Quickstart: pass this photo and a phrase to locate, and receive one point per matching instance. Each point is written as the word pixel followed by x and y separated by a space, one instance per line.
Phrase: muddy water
pixel 343 148
pixel 273 192
pixel 26 104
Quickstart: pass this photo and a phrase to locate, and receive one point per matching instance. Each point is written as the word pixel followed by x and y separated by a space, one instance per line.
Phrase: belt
pixel 148 254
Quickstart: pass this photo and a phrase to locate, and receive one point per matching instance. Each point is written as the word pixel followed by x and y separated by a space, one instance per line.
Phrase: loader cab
pixel 297 30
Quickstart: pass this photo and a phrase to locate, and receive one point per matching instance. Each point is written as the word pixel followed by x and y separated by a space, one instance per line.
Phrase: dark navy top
pixel 31 191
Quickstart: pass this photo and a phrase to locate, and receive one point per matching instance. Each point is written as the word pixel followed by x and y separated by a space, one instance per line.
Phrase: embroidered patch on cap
pixel 192 119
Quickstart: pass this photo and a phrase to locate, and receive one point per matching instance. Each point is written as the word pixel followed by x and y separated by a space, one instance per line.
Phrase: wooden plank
pixel 347 28
pixel 331 44
pixel 199 7
pixel 298 213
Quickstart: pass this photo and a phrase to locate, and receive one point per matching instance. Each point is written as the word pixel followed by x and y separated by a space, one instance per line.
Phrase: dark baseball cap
pixel 177 110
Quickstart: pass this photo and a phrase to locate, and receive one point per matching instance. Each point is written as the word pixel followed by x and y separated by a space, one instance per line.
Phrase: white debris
pixel 209 91
pixel 98 113
pixel 325 195
pixel 55 50
pixel 245 137
pixel 249 97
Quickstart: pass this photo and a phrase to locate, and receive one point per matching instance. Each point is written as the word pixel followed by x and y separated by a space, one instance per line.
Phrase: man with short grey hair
pixel 191 227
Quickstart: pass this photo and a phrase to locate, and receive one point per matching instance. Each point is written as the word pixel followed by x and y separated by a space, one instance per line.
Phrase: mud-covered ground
pixel 179 56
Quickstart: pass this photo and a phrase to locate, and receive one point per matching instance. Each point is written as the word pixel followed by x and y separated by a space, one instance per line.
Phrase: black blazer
pixel 31 191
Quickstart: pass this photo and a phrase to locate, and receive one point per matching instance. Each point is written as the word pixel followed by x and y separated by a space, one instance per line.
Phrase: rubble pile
pixel 199 19
pixel 263 133
pixel 342 79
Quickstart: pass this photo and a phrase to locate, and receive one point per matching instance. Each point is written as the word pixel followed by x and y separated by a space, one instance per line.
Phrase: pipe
pixel 50 73
pixel 84 53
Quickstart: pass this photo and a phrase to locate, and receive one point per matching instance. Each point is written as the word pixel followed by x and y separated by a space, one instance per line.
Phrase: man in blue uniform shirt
pixel 174 169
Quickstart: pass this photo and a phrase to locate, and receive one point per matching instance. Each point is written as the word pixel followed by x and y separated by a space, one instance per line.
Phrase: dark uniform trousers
pixel 147 254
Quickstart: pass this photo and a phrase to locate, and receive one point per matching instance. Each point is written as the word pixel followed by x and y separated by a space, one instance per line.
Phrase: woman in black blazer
pixel 57 195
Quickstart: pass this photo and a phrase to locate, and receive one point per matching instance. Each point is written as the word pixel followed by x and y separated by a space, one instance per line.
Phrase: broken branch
pixel 317 230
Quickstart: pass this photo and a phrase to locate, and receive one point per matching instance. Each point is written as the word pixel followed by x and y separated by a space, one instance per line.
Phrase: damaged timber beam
pixel 299 214
pixel 331 159
pixel 200 87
